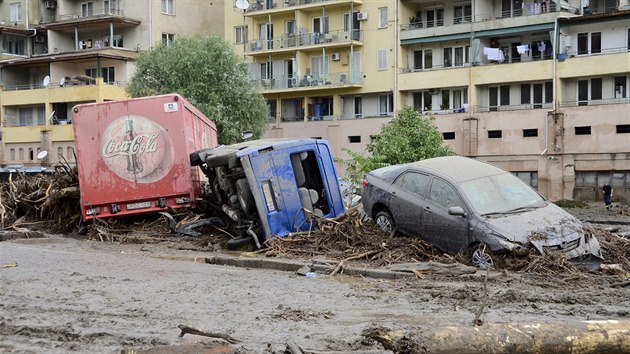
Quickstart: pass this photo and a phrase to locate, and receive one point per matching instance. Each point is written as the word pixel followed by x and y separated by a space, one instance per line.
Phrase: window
pixel 266 70
pixel 422 101
pixel 585 130
pixel 444 194
pixel 422 59
pixel 353 139
pixel 60 153
pixel 13 44
pixel 623 128
pixel 499 96
pixel 526 94
pixel 110 6
pixel 319 67
pixel 240 34
pixel 448 135
pixel 456 56
pixel 414 182
pixel 382 59
pixel 620 87
pixel 530 178
pixel 168 38
pixel 273 110
pixel 320 24
pixel 589 90
pixel 358 107
pixel 25 116
pixel 16 12
pixel 494 134
pixel 595 43
pixel 385 104
pixel 87 9
pixel 12 154
pixel 107 73
pixel 528 133
pixel 168 7
pixel 582 92
pixel 435 17
pixel 462 13
pixel 41 115
pixel 596 89
pixel 382 17
pixel 21 154
pixel 31 155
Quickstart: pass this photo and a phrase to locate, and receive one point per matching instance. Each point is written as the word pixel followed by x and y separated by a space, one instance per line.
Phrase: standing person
pixel 608 193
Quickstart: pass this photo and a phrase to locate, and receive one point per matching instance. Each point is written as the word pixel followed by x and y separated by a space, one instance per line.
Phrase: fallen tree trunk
pixel 578 337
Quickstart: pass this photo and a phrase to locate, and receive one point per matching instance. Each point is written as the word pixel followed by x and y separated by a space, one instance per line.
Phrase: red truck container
pixel 133 155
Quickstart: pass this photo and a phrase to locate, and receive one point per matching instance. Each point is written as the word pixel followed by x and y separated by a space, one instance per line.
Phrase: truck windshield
pixel 310 183
pixel 502 193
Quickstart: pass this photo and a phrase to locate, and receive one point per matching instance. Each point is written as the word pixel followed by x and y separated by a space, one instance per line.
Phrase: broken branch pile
pixel 49 198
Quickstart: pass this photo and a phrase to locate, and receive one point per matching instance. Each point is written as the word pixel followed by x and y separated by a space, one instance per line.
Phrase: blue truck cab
pixel 272 186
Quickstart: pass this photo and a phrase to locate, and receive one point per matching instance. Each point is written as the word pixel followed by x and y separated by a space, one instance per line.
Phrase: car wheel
pixel 385 221
pixel 245 197
pixel 480 258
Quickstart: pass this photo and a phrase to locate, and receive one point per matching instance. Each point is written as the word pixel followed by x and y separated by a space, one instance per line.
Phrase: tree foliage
pixel 207 72
pixel 407 138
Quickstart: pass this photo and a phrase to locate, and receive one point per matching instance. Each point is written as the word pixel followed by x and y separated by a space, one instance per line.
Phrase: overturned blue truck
pixel 271 186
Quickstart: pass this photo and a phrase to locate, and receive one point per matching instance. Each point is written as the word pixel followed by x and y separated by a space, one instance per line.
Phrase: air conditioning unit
pixel 335 56
pixel 434 91
pixel 50 4
pixel 40 39
pixel 362 16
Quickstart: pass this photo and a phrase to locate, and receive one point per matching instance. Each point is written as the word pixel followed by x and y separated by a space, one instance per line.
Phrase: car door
pixel 448 232
pixel 409 191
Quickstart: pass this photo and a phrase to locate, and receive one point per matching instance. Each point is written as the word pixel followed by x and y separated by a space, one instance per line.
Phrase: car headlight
pixel 515 248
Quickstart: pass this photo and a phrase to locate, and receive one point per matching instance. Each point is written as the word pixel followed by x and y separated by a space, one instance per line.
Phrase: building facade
pixel 59 53
pixel 537 87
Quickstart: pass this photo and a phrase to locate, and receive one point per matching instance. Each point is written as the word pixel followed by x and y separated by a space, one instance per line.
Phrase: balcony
pixel 264 7
pixel 311 82
pixel 64 22
pixel 288 43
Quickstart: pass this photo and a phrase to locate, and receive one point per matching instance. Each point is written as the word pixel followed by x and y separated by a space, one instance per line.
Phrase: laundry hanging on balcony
pixel 521 49
pixel 495 54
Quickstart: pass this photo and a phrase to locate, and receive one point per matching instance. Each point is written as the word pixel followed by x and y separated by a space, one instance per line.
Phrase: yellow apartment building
pixel 539 87
pixel 59 53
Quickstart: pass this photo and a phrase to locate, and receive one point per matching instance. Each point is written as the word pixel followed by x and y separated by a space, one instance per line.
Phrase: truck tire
pixel 245 196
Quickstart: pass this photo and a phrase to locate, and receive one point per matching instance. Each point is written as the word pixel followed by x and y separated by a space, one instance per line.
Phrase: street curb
pixel 290 265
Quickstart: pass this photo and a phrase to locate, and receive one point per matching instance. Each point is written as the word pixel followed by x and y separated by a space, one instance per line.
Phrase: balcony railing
pixel 70 82
pixel 302 40
pixel 263 5
pixel 280 82
pixel 506 108
pixel 367 116
pixel 531 9
pixel 594 102
pixel 80 15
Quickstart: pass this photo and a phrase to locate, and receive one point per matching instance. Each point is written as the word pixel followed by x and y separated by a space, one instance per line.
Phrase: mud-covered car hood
pixel 549 227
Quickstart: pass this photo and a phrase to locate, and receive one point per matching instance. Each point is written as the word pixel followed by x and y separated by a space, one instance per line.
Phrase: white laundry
pixel 542 46
pixel 494 54
pixel 522 48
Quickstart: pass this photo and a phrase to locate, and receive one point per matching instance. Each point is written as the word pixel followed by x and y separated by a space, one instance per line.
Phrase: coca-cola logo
pixel 137 149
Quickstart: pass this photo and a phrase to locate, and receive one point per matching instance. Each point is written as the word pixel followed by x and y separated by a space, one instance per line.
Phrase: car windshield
pixel 500 194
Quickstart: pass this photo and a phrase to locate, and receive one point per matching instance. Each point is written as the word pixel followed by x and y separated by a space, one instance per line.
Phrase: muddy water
pixel 81 296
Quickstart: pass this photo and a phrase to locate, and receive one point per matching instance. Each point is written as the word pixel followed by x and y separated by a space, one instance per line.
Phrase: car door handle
pixel 393 193
pixel 427 209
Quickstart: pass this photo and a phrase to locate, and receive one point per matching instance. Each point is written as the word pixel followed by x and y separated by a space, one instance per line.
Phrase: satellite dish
pixel 242 4
pixel 46 81
pixel 62 81
pixel 42 155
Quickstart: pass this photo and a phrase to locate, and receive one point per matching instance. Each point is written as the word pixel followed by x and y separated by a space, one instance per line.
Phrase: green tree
pixel 207 72
pixel 407 138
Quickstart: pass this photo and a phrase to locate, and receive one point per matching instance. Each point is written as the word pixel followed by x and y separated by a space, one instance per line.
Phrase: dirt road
pixel 82 296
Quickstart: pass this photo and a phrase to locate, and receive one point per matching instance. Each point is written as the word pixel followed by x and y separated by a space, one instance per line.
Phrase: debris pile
pixel 43 201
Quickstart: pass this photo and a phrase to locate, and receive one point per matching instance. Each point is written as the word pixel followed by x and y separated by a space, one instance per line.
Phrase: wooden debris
pixel 190 330
pixel 11 265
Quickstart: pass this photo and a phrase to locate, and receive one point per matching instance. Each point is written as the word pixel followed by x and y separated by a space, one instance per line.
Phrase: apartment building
pixel 538 87
pixel 59 53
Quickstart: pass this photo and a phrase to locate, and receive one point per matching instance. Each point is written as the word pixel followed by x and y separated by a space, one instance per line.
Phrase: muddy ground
pixel 68 294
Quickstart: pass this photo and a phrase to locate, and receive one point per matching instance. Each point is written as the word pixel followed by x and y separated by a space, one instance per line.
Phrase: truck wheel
pixel 385 221
pixel 245 196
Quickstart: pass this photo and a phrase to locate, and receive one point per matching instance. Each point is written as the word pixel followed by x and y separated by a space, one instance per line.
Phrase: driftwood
pixel 11 265
pixel 190 330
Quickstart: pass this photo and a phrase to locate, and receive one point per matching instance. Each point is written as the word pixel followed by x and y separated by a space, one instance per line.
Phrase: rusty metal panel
pixel 133 155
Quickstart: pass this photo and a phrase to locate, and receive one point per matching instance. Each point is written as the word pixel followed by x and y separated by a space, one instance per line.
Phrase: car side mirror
pixel 457 211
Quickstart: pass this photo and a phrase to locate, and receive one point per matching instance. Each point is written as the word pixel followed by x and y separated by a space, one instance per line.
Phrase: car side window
pixel 415 182
pixel 444 194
